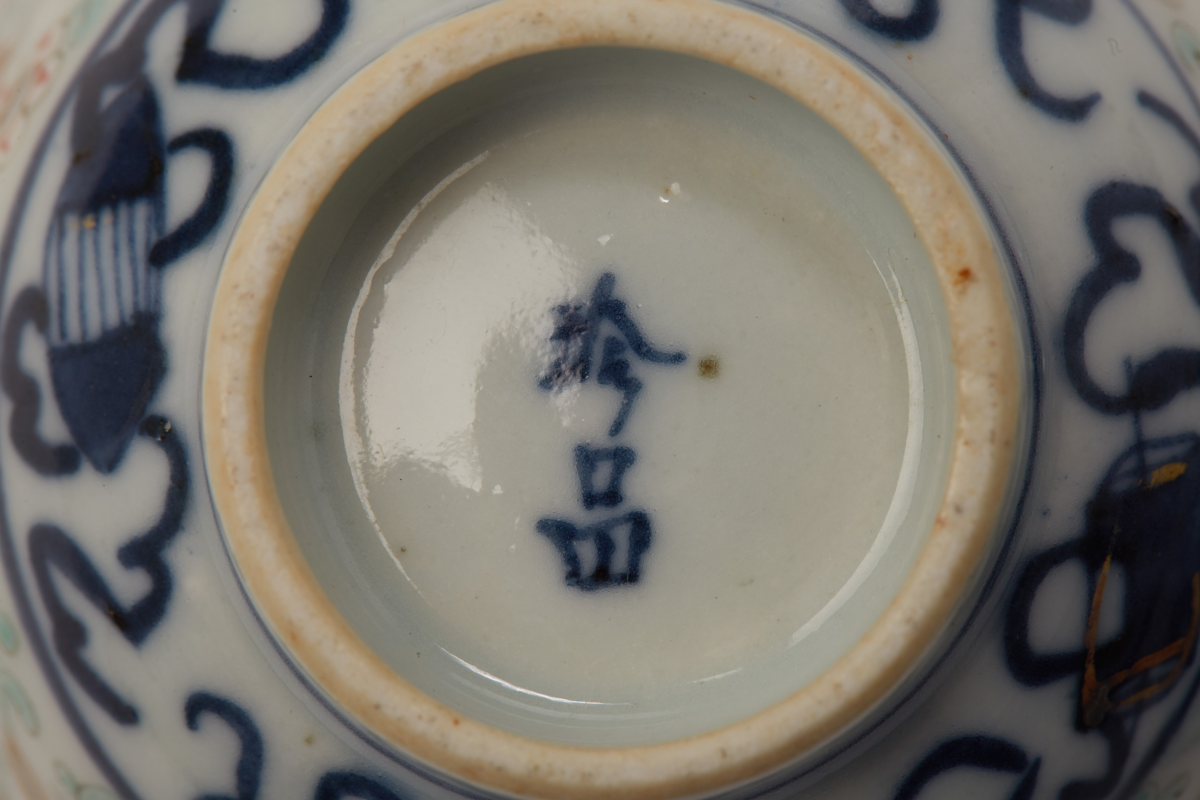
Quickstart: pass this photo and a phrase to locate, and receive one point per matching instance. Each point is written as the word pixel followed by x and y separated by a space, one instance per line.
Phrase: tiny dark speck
pixel 709 367
pixel 403 549
pixel 114 614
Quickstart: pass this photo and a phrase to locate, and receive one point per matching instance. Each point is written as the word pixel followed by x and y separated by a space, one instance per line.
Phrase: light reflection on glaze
pixel 389 418
pixel 456 452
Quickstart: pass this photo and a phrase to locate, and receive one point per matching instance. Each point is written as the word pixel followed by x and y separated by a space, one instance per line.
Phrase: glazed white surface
pixel 1035 170
pixel 775 488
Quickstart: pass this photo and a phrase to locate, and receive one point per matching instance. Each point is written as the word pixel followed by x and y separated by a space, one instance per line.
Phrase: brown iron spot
pixel 709 367
pixel 116 617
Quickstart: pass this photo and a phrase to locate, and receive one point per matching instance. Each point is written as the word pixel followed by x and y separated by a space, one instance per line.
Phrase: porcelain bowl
pixel 599 398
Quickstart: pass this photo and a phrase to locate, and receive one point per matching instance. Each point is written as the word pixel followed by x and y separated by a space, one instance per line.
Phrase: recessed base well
pixel 441 413
pixel 626 417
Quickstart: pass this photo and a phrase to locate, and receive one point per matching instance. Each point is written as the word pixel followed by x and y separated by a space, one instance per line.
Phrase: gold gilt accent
pixel 1094 695
pixel 1165 474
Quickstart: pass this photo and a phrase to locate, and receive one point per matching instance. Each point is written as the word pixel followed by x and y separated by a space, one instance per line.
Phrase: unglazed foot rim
pixel 270 563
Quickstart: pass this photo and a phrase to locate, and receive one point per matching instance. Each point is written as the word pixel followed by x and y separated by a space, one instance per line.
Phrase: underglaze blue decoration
pixel 99 306
pixel 588 460
pixel 30 308
pixel 248 774
pixel 567 535
pixel 1143 520
pixel 1156 381
pixel 104 292
pixel 52 550
pixel 1010 40
pixel 1174 119
pixel 917 24
pixel 576 333
pixel 107 245
pixel 338 785
pixel 95 293
pixel 922 20
pixel 1117 734
pixel 974 752
pixel 202 65
pixel 192 231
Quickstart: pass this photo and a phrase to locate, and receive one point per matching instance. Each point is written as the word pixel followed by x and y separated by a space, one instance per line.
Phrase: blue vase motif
pixel 103 293
pixel 1142 520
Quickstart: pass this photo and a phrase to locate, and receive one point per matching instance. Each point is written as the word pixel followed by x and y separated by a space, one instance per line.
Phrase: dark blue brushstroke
pixel 203 65
pixel 104 386
pixel 248 775
pixel 62 459
pixel 588 460
pixel 973 752
pixel 1165 52
pixel 1156 381
pixel 917 24
pixel 1174 119
pixel 575 336
pixel 192 231
pixel 52 550
pixel 565 534
pixel 1010 42
pixel 338 785
pixel 124 156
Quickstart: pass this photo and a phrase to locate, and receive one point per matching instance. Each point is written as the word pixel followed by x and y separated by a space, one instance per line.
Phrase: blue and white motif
pixel 1144 519
pixel 96 300
pixel 103 293
pixel 577 336
pixel 99 306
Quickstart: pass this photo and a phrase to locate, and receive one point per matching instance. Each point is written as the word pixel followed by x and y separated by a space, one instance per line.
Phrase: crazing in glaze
pixel 575 336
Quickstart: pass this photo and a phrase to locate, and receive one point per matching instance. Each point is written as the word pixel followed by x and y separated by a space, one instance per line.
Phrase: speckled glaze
pixel 161 633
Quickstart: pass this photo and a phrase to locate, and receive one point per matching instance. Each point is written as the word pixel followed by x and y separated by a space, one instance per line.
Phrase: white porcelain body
pixel 1102 141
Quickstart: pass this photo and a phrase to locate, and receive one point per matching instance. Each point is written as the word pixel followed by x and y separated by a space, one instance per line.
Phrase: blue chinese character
pixel 587 459
pixel 566 535
pixel 578 329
